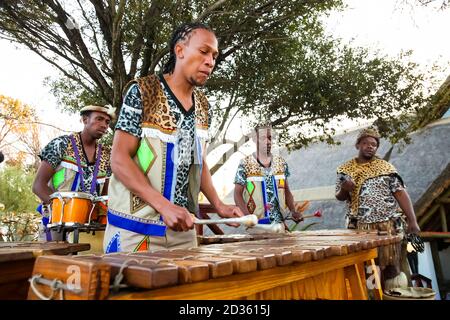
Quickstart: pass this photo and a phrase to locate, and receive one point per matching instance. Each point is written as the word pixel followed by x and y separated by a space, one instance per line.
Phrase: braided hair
pixel 180 34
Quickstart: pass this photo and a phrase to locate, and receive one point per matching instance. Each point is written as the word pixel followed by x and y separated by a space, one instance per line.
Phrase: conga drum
pixel 100 209
pixel 70 208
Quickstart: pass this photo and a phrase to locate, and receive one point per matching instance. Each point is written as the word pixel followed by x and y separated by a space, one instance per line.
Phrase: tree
pixel 16 119
pixel 100 45
pixel 19 131
pixel 443 4
pixel 15 189
pixel 18 219
pixel 275 60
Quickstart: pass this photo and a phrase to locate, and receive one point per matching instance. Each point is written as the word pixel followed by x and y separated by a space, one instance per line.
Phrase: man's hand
pixel 413 227
pixel 348 185
pixel 177 218
pixel 229 211
pixel 297 217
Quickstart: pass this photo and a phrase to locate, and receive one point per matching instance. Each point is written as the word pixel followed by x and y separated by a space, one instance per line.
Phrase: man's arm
pixel 405 203
pixel 206 186
pixel 297 216
pixel 289 197
pixel 128 172
pixel 239 199
pixel 40 185
pixel 344 188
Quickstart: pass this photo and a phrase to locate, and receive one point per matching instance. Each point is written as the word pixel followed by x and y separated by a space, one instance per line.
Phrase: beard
pixel 97 135
pixel 367 155
pixel 197 83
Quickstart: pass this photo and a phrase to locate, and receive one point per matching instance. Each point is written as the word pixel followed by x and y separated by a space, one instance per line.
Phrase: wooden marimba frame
pixel 17 260
pixel 325 264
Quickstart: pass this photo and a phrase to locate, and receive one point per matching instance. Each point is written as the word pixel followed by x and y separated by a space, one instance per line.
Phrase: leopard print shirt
pixel 376 200
pixel 274 211
pixel 54 152
pixel 130 120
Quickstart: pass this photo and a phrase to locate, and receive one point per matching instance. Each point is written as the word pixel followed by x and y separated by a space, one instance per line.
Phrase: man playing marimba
pixel 261 185
pixel 373 190
pixel 158 154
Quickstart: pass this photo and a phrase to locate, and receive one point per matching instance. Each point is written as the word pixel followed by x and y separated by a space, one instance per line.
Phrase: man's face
pixel 97 124
pixel 367 147
pixel 264 140
pixel 197 56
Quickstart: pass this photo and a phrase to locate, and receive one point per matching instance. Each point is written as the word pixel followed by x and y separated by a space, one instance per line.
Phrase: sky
pixel 392 26
pixel 389 26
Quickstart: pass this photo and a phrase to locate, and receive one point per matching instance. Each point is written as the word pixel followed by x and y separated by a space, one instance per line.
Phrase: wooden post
pixel 356 283
pixel 437 266
pixel 443 218
pixel 204 210
pixel 378 290
pixel 428 215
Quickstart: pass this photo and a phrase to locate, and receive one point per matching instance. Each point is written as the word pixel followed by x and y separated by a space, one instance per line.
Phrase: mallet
pixel 270 228
pixel 248 220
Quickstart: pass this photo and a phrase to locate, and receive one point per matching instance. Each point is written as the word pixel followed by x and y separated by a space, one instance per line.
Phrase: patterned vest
pixel 362 172
pixel 255 192
pixel 157 158
pixel 67 175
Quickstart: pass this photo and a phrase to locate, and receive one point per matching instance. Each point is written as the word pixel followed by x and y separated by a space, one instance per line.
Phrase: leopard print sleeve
pixel 130 118
pixel 395 183
pixel 53 152
pixel 241 175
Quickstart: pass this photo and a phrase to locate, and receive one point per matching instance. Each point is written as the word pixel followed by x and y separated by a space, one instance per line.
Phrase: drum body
pixel 70 208
pixel 100 209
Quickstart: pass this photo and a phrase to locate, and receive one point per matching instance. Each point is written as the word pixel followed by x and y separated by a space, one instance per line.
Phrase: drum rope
pixel 119 277
pixel 54 285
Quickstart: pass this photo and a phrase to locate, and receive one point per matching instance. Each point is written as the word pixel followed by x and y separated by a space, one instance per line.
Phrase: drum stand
pixel 76 228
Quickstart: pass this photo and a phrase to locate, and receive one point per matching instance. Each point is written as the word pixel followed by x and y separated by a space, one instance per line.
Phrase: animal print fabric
pixel 360 172
pixel 54 151
pixel 60 149
pixel 130 117
pixel 376 200
pixel 131 120
pixel 250 167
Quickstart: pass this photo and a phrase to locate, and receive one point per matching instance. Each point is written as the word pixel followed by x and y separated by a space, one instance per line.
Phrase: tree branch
pixel 209 10
pixel 80 48
pixel 94 36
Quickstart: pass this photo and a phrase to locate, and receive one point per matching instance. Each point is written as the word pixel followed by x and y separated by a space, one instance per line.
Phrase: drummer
pixel 76 162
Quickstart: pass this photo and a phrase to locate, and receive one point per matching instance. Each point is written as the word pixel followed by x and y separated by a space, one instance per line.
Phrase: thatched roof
pixel 436 189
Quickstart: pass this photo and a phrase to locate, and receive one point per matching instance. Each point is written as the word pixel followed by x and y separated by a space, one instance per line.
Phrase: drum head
pixel 72 194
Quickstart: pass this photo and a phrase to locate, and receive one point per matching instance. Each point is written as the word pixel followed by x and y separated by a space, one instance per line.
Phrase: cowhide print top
pixel 376 200
pixel 130 120
pixel 244 170
pixel 60 149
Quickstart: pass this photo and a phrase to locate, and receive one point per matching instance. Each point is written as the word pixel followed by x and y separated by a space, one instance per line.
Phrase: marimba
pixel 17 261
pixel 325 264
